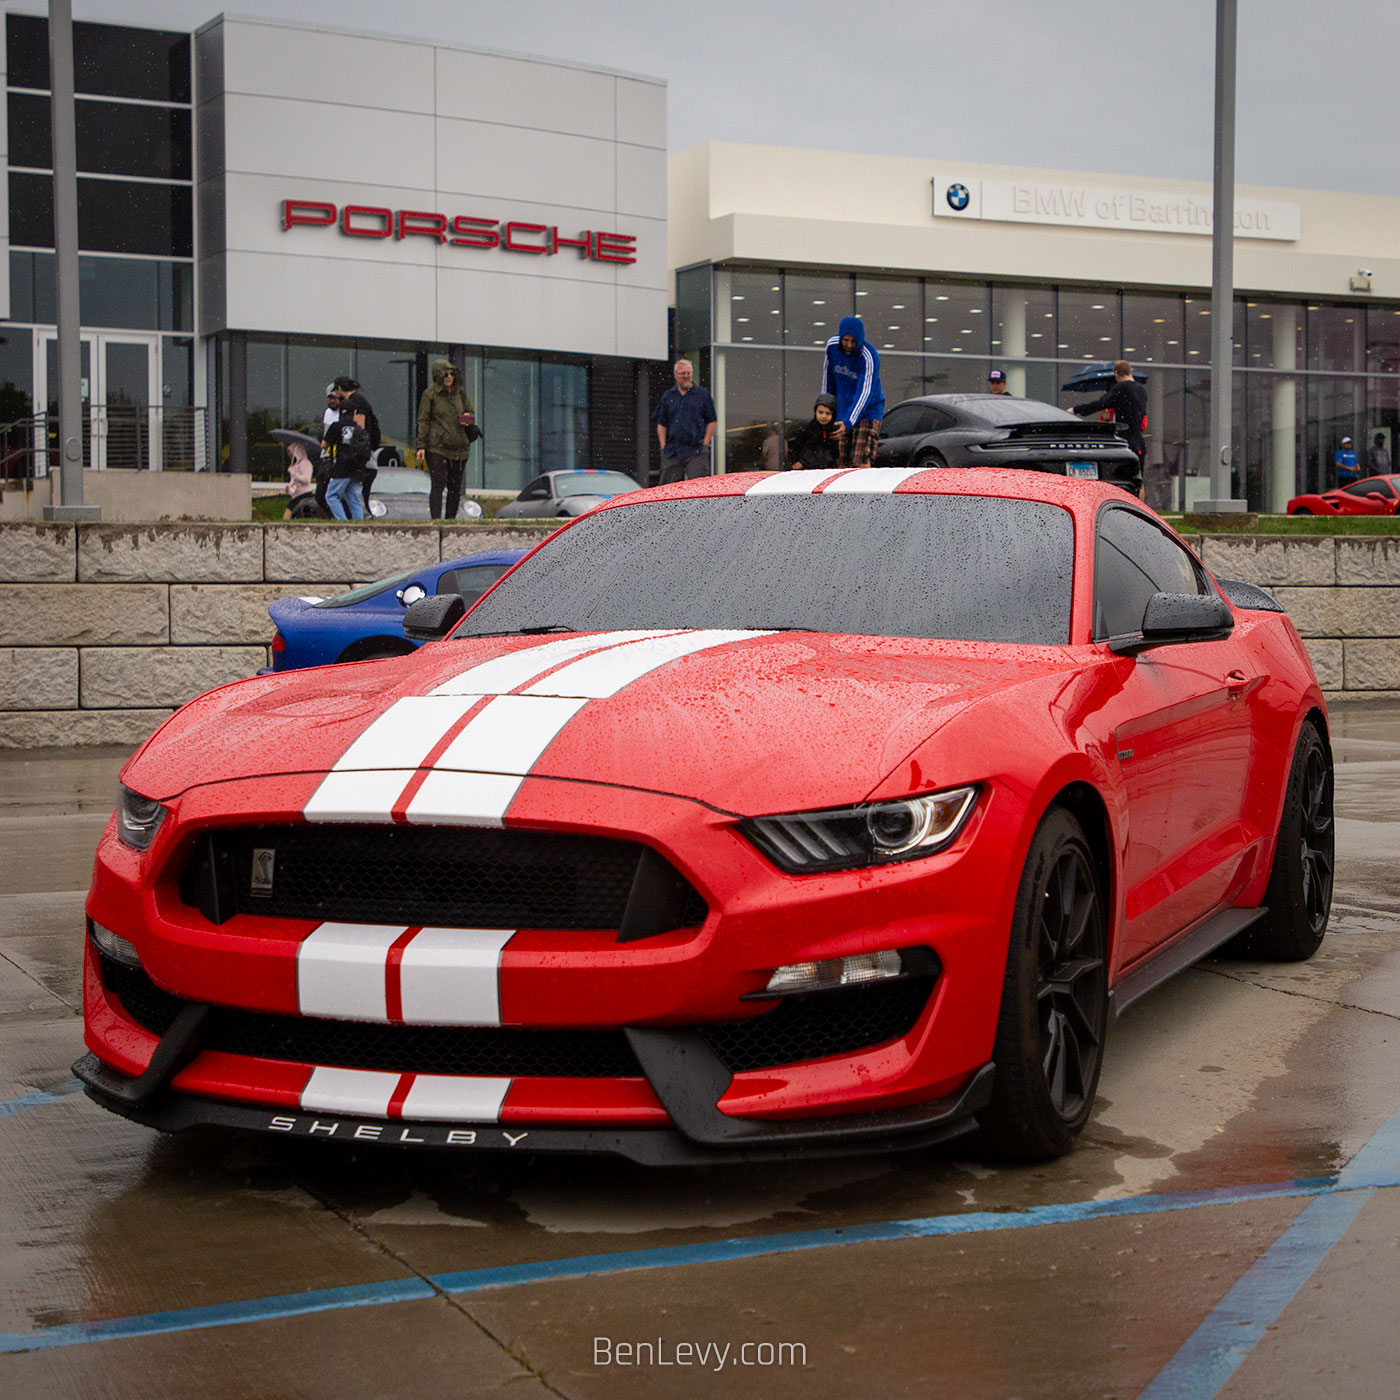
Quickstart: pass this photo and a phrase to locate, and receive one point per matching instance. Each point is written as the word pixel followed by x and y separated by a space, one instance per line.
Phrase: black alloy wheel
pixel 926 461
pixel 1302 510
pixel 1054 1008
pixel 1299 896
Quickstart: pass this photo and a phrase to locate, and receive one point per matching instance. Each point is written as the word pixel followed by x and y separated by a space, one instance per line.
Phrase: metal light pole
pixel 65 242
pixel 1222 282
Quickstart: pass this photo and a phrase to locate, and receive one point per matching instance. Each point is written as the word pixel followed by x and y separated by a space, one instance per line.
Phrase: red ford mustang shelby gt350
pixel 760 815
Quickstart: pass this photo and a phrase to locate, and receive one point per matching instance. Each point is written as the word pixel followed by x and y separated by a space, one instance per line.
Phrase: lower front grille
pixel 814 1027
pixel 496 1051
pixel 822 1024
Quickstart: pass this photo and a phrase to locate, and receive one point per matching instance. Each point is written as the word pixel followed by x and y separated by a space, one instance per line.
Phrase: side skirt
pixel 1200 942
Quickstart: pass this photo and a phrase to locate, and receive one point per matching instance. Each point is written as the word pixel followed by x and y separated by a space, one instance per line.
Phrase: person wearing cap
pixel 1127 401
pixel 332 412
pixel 1378 458
pixel 996 383
pixel 1345 462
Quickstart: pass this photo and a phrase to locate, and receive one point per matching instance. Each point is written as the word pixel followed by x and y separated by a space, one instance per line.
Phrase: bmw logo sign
pixel 958 196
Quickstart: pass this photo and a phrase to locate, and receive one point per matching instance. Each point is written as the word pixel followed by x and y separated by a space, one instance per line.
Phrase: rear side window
pixel 1133 559
pixel 901 421
pixel 472 581
pixel 1374 484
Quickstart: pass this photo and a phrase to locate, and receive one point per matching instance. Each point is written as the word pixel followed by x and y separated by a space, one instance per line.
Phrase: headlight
pixel 873 834
pixel 138 819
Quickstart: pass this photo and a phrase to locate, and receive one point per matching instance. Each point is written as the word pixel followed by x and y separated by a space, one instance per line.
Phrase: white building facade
pixel 958 269
pixel 264 206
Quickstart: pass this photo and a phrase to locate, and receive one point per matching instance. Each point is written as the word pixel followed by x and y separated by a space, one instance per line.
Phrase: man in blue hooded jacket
pixel 851 371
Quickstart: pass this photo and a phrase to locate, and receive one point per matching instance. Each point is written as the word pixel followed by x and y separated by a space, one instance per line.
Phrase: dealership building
pixel 263 206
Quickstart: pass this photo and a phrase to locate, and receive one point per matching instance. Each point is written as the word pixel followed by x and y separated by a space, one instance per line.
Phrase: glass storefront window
pixel 955 374
pixel 109 60
pixel 310 367
pixel 1273 335
pixel 388 378
pixel 1336 409
pixel 16 376
pixel 802 382
pixel 563 417
pixel 748 393
pixel 1337 338
pixel 892 311
pixel 1088 326
pixel 1023 324
pixel 267 400
pixel 693 312
pixel 748 307
pixel 957 320
pixel 814 305
pixel 1152 329
pixel 510 390
pixel 112 138
pixel 1383 340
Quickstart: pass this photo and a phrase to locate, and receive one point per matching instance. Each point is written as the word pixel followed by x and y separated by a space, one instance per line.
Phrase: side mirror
pixel 1178 617
pixel 429 619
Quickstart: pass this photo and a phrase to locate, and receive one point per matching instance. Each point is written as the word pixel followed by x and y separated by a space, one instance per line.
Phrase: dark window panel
pixel 122 293
pixel 108 60
pixel 114 216
pixel 113 138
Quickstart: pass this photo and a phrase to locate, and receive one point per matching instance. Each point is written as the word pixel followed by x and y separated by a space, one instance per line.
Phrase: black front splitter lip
pixel 854 1135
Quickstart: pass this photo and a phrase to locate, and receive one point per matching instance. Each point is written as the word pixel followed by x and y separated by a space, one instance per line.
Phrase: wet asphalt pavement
pixel 1246 1143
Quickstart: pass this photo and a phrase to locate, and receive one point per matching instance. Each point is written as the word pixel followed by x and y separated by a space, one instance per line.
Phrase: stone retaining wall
pixel 105 628
pixel 1342 592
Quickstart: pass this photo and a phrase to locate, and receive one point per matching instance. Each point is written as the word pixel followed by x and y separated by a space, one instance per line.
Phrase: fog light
pixel 114 946
pixel 836 972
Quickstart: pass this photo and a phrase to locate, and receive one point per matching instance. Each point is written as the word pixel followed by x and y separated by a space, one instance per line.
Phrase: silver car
pixel 566 494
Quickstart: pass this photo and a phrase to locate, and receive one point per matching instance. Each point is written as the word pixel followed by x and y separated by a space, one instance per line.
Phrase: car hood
pixel 746 722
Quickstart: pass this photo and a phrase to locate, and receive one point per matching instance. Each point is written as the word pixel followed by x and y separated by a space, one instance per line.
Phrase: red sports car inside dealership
pixel 1375 495
pixel 765 814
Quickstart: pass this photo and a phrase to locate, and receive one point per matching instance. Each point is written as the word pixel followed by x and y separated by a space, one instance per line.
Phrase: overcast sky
pixel 1121 87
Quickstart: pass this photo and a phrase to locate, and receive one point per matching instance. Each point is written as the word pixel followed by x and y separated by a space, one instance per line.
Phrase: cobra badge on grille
pixel 264 859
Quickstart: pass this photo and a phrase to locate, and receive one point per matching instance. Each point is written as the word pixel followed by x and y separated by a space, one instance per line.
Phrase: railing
pixel 132 437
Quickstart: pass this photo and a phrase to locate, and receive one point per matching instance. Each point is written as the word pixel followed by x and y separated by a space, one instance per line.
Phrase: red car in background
pixel 1376 495
pixel 809 812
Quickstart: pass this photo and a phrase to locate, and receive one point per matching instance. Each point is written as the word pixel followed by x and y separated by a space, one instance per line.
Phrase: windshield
pixel 593 484
pixel 974 568
pixel 365 590
pixel 401 481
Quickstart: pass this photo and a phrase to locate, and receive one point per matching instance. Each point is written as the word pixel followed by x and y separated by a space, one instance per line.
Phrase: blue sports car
pixel 367 622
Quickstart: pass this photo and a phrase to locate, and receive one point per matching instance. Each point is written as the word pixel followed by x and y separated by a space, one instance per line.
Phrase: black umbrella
pixel 305 440
pixel 1096 378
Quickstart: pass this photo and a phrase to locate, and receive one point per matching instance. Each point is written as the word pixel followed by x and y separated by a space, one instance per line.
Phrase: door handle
pixel 1236 683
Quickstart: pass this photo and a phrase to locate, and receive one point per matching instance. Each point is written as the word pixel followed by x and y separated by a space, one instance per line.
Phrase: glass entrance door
pixel 119 378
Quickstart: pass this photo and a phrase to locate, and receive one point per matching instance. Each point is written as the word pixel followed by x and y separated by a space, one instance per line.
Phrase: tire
pixel 1054 1001
pixel 925 461
pixel 1299 896
pixel 1302 510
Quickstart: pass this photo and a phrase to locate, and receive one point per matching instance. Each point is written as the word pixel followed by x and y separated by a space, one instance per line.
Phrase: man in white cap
pixel 332 413
pixel 1345 462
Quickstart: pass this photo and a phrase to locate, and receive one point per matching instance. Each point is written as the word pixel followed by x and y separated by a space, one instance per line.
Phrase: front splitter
pixel 850 1135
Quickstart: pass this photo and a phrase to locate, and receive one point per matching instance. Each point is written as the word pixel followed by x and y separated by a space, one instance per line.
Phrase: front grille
pixel 498 1051
pixel 840 1022
pixel 454 877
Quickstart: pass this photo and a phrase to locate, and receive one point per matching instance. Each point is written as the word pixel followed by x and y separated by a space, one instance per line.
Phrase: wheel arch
pixel 1085 804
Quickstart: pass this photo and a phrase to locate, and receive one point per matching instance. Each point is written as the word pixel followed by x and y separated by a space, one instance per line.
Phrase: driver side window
pixel 1133 559
pixel 537 490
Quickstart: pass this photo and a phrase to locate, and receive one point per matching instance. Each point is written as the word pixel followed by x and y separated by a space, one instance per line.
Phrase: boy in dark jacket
pixel 817 445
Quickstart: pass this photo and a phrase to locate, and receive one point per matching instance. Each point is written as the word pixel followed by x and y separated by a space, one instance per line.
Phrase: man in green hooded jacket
pixel 444 417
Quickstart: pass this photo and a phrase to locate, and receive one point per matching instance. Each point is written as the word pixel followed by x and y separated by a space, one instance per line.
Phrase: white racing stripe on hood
pixel 404 735
pixel 872 481
pixel 340 970
pixel 798 483
pixel 596 677
pixel 502 674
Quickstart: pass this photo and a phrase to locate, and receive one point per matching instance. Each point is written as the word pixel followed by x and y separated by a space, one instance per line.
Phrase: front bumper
pixel 672 1001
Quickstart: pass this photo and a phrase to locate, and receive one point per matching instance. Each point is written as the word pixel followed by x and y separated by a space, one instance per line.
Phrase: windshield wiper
pixel 523 631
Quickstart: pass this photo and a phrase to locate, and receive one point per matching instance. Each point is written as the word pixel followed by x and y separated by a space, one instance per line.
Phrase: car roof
pixel 935 481
pixel 484 556
pixel 1001 408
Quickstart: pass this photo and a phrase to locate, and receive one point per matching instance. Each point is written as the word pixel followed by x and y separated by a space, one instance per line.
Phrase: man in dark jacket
pixel 685 426
pixel 1127 400
pixel 445 415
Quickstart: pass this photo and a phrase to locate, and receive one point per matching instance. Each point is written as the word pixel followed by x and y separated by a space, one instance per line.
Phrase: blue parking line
pixel 1232 1329
pixel 39 1097
pixel 589 1265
